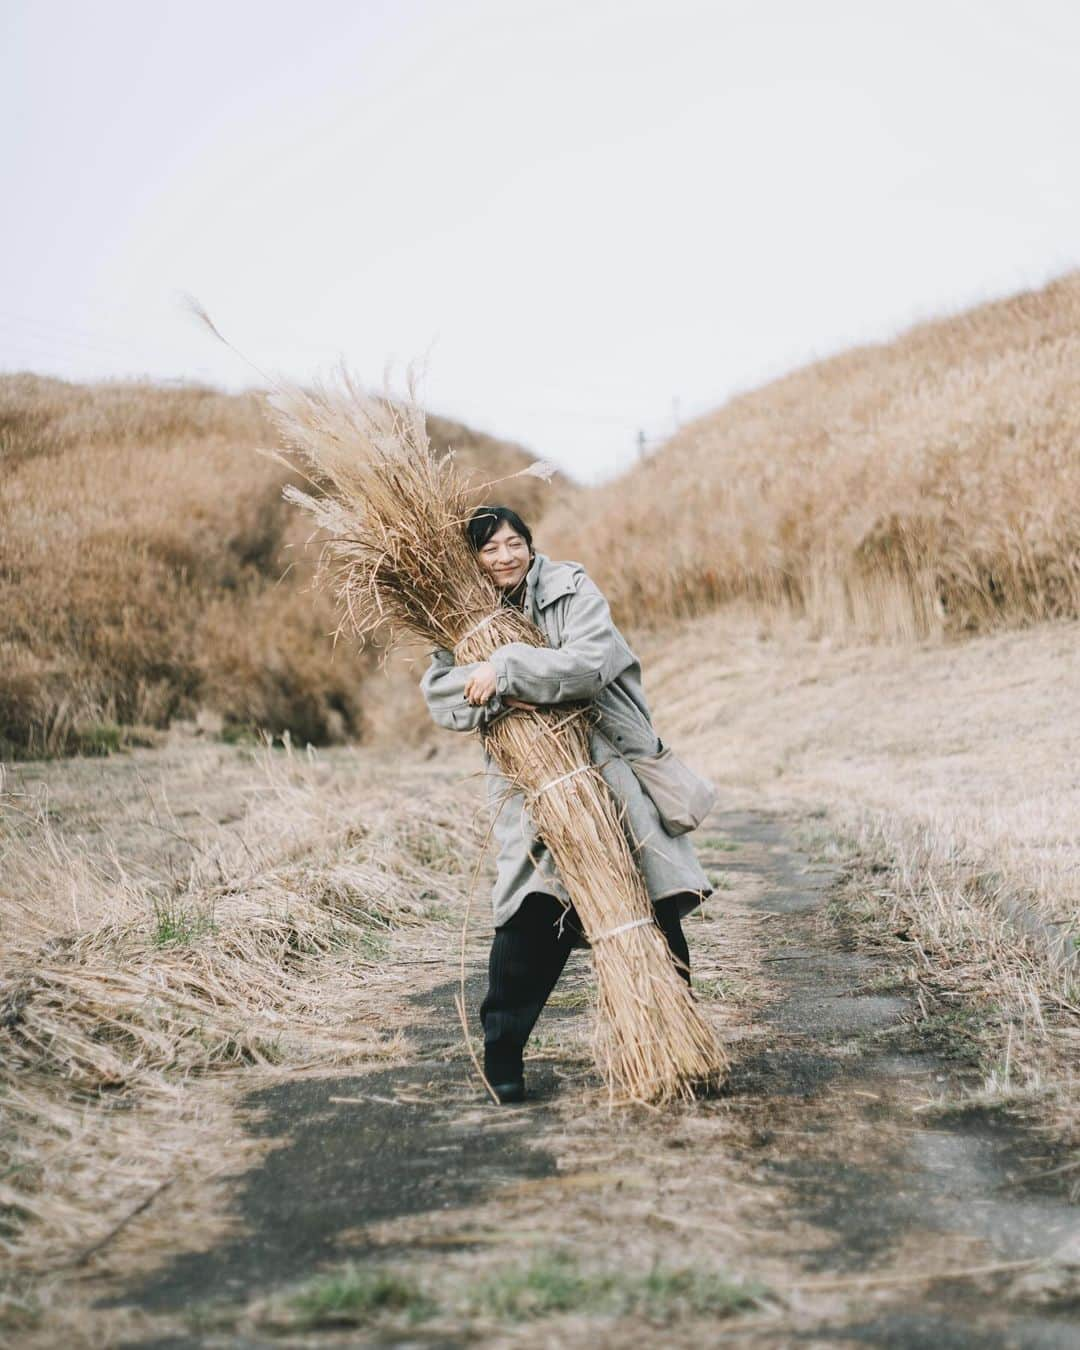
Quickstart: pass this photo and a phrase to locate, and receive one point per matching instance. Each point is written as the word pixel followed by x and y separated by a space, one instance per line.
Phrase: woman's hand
pixel 481 683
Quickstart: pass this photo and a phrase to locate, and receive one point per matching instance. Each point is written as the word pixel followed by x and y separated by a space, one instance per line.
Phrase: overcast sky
pixel 591 218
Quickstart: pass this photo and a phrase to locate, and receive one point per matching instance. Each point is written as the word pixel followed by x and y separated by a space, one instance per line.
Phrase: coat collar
pixel 546 581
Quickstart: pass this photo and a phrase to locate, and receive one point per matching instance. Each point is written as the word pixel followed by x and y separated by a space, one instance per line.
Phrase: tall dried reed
pixel 398 560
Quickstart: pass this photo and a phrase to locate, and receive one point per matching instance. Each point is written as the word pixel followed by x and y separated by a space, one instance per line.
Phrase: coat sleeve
pixel 443 686
pixel 592 654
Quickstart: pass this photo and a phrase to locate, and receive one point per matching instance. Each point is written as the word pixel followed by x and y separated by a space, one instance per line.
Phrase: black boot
pixel 506 1074
pixel 514 1091
pixel 528 953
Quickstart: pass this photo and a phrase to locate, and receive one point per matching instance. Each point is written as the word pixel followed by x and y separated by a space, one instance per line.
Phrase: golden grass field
pixel 152 573
pixel 927 485
pixel 855 591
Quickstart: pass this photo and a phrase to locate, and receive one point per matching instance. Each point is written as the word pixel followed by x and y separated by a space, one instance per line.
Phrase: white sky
pixel 591 217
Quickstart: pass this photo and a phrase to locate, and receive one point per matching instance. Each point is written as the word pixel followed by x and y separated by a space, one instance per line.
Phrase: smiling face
pixel 505 556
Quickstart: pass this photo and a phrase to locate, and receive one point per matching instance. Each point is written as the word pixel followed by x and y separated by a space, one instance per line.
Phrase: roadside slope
pixel 150 571
pixel 927 484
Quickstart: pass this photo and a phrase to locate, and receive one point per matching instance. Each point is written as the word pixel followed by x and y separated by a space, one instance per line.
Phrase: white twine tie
pixel 555 781
pixel 620 928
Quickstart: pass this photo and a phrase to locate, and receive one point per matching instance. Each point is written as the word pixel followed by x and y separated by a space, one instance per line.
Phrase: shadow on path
pixel 403 1141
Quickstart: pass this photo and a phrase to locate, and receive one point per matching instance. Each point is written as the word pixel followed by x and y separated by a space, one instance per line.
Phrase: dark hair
pixel 485 520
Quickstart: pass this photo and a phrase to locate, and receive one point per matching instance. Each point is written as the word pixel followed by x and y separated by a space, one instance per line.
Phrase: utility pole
pixel 641 443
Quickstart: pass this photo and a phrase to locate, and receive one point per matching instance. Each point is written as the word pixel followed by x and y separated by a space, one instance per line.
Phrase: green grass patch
pixel 553 1282
pixel 240 733
pixel 550 1283
pixel 374 946
pixel 957 1034
pixel 570 998
pixel 353 1295
pixel 719 845
pixel 826 844
pixel 99 738
pixel 436 911
pixel 179 925
pixel 95 739
pixel 710 990
pixel 664 1295
pixel 435 849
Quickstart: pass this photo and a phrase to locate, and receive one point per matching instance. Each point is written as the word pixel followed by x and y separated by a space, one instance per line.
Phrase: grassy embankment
pixel 150 572
pixel 875 567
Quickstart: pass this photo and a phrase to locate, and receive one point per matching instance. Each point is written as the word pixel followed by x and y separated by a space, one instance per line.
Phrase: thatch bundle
pixel 397 557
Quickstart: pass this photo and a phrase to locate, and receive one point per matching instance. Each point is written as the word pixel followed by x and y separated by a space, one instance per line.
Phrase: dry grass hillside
pixel 150 571
pixel 926 485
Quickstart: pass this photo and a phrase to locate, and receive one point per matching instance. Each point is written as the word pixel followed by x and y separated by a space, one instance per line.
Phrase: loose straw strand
pixel 475 629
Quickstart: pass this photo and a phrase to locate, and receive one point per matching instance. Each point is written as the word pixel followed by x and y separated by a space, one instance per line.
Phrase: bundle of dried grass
pixel 397 558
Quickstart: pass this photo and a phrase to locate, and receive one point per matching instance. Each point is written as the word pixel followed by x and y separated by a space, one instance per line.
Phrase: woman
pixel 587 658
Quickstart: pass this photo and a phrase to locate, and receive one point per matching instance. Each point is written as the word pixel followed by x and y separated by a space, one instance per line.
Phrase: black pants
pixel 528 954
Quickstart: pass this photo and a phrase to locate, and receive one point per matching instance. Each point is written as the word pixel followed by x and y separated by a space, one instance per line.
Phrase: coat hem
pixel 695 897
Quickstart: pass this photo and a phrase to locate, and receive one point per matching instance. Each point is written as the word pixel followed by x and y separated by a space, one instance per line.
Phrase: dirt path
pixel 817 1174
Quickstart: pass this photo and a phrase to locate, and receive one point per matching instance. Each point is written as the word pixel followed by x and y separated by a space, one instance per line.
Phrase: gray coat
pixel 586 658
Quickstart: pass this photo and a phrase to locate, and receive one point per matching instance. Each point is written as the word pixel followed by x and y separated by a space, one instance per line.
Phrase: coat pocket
pixel 682 798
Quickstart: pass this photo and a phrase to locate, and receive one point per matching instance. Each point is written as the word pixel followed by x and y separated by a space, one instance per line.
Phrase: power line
pixel 58 342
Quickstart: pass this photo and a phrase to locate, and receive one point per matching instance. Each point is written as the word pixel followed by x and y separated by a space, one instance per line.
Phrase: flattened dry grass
pixel 120 989
pixel 984 953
